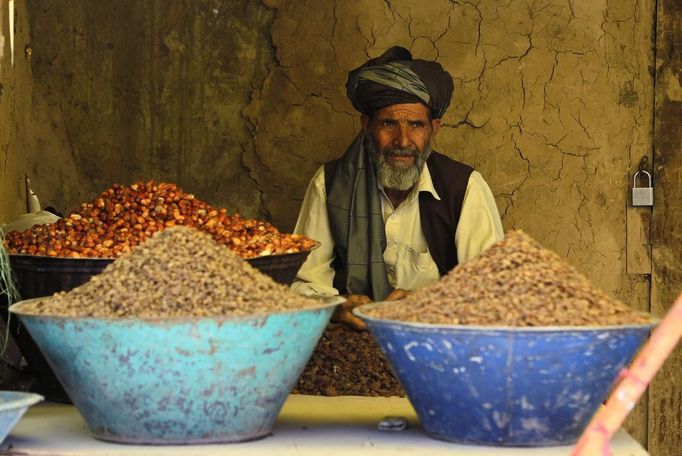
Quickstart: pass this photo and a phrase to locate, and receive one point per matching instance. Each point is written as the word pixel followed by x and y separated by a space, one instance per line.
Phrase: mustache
pixel 402 152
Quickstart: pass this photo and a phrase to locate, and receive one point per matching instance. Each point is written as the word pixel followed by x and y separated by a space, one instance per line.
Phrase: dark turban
pixel 394 78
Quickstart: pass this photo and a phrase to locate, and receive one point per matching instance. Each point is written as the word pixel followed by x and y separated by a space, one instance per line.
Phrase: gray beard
pixel 397 176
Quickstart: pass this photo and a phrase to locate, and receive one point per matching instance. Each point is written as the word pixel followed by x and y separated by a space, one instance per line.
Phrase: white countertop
pixel 307 425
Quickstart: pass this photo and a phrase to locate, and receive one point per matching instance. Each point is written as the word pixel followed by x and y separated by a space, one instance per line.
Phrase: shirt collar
pixel 425 183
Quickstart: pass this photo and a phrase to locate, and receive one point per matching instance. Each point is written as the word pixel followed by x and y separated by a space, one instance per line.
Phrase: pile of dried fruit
pixel 122 217
pixel 516 282
pixel 178 272
pixel 348 362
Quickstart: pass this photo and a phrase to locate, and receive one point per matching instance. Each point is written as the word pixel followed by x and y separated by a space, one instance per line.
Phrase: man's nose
pixel 402 137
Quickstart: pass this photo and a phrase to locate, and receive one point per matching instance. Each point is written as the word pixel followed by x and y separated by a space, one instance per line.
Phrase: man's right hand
pixel 343 313
pixel 397 295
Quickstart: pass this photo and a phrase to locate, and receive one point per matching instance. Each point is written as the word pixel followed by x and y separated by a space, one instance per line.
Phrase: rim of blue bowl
pixel 325 302
pixel 653 321
pixel 112 259
pixel 23 399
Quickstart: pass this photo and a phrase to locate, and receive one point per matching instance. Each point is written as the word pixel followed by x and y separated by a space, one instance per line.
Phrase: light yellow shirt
pixel 408 262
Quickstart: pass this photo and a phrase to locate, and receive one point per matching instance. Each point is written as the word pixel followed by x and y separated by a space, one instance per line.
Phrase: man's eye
pixel 417 124
pixel 388 123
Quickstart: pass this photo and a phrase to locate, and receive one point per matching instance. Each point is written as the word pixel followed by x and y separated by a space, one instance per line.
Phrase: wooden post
pixel 665 392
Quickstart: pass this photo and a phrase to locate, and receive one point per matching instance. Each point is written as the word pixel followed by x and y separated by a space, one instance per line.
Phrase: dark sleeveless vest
pixel 439 219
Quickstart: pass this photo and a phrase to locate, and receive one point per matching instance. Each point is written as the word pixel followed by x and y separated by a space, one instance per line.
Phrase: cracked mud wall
pixel 552 103
pixel 239 102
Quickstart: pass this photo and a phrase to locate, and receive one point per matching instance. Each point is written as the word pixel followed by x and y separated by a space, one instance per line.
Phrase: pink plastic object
pixel 633 382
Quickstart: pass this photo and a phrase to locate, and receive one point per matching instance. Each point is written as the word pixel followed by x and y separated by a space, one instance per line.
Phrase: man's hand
pixel 343 313
pixel 397 294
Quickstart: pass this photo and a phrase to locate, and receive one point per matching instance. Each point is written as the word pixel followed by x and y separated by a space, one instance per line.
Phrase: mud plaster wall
pixel 119 91
pixel 552 103
pixel 32 139
pixel 239 102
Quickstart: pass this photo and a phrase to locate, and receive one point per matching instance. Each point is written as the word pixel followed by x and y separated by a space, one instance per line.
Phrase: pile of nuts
pixel 348 362
pixel 178 272
pixel 516 282
pixel 123 217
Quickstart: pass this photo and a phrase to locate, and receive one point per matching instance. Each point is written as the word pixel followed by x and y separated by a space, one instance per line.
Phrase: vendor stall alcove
pixel 556 103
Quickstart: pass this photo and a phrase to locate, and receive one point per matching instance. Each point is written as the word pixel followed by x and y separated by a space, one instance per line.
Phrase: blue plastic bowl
pixel 179 380
pixel 505 386
pixel 13 405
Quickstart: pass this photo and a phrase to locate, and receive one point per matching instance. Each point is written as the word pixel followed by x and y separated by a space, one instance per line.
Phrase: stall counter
pixel 307 425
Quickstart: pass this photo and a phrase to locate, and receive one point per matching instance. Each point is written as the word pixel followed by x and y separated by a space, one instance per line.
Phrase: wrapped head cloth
pixel 395 78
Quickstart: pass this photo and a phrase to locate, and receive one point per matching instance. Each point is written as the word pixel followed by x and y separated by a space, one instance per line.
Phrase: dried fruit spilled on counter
pixel 124 216
pixel 178 272
pixel 516 282
pixel 348 362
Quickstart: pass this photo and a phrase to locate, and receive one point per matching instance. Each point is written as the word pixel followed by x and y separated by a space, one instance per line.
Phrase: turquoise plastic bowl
pixel 179 380
pixel 13 405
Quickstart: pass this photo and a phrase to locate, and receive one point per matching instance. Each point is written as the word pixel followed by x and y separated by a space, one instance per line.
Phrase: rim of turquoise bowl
pixel 24 400
pixel 653 321
pixel 329 301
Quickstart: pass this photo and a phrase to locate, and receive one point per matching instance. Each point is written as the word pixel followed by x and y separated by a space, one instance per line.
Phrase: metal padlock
pixel 642 196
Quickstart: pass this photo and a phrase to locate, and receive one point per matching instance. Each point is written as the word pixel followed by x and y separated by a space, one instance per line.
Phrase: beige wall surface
pixel 32 133
pixel 121 91
pixel 240 101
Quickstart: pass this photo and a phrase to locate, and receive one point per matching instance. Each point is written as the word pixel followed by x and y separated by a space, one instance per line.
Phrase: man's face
pixel 399 143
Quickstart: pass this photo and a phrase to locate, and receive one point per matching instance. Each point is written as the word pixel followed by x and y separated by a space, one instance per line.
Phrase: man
pixel 391 214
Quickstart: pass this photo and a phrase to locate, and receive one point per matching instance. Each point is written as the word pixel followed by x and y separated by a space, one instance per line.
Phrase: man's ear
pixel 435 126
pixel 364 121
